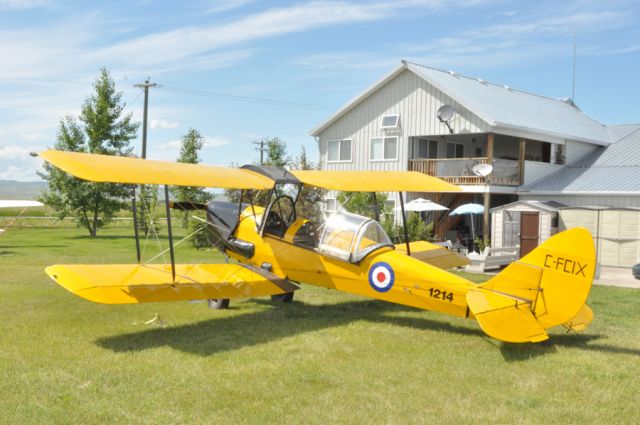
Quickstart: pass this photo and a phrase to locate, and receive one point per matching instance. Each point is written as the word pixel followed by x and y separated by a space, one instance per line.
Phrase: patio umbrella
pixel 420 205
pixel 470 209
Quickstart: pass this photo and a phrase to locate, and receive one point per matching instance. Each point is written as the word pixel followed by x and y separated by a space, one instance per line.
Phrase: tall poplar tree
pixel 190 146
pixel 101 128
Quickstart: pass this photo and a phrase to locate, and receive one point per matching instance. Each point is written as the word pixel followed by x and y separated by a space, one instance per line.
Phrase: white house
pixel 527 138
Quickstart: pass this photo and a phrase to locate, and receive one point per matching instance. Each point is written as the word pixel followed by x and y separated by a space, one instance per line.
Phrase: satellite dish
pixel 445 113
pixel 482 170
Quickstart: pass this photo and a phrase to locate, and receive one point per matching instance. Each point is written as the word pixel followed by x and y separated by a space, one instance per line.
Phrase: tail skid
pixel 546 288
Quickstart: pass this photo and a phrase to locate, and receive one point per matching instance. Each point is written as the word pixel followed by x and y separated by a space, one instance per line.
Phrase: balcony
pixel 506 172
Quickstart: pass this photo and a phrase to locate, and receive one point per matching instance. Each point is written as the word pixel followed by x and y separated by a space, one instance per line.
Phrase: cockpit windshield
pixel 351 237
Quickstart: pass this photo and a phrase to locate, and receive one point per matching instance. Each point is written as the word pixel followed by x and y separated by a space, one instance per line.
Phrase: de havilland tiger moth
pixel 275 251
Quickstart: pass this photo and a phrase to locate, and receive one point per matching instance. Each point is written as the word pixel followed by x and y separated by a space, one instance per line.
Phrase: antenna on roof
pixel 573 88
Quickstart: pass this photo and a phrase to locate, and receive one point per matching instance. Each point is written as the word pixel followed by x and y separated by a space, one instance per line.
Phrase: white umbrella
pixel 420 205
pixel 469 209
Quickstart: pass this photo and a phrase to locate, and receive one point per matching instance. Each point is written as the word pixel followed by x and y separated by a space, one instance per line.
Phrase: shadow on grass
pixel 282 321
pixel 520 352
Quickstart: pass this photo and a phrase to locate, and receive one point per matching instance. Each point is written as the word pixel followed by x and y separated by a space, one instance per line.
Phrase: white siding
pixel 497 237
pixel 417 103
pixel 616 233
pixel 577 150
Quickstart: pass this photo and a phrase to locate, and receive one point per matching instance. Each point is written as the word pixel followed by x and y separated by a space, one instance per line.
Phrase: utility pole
pixel 145 86
pixel 261 149
pixel 146 197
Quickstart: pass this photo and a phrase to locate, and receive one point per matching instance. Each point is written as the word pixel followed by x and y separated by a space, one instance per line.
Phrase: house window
pixel 330 205
pixel 384 149
pixel 339 150
pixel 390 205
pixel 427 149
pixel 455 150
pixel 390 121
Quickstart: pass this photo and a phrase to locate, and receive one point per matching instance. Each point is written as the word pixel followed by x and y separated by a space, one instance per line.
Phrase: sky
pixel 242 70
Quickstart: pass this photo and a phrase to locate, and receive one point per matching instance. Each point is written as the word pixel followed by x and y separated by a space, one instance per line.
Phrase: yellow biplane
pixel 275 250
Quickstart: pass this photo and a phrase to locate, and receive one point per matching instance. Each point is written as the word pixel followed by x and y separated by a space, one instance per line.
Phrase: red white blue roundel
pixel 381 277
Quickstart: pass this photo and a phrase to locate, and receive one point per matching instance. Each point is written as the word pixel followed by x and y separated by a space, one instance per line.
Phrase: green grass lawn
pixel 326 358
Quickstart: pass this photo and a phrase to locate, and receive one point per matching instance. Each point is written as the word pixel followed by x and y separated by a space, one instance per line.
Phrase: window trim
pixel 429 142
pixel 454 143
pixel 397 117
pixel 337 161
pixel 383 139
pixel 335 205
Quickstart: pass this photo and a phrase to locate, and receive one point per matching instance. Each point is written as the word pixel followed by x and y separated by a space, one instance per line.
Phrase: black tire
pixel 220 304
pixel 283 298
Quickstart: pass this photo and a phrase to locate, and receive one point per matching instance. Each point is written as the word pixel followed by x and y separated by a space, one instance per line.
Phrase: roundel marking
pixel 381 277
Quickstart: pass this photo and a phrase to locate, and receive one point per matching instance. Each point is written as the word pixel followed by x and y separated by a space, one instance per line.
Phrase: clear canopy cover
pixel 351 237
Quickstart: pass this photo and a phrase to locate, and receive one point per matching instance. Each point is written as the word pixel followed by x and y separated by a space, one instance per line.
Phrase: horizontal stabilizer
pixel 135 283
pixel 505 317
pixel 581 320
pixel 435 255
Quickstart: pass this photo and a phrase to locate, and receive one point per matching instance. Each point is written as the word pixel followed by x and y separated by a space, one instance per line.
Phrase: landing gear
pixel 283 298
pixel 220 304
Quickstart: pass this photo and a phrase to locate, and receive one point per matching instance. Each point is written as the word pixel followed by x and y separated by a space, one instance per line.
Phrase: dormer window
pixel 390 121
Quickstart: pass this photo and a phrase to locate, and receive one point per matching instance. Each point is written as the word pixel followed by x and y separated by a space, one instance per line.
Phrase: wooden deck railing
pixel 459 170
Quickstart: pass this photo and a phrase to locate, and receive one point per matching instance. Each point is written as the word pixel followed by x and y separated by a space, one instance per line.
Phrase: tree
pixel 101 128
pixel 276 150
pixel 361 203
pixel 191 144
pixel 310 197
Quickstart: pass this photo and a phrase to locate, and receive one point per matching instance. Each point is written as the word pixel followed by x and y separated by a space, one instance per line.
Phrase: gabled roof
pixel 611 170
pixel 503 108
pixel 548 206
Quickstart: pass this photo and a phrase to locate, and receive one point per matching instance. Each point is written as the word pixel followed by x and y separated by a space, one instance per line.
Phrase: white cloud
pixel 13 152
pixel 157 123
pixel 211 142
pixel 217 6
pixel 22 4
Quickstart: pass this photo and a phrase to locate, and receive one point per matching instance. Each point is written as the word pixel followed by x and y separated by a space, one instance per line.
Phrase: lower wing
pixel 135 283
pixel 435 255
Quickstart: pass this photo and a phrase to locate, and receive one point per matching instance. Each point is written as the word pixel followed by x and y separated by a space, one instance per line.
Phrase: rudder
pixel 554 279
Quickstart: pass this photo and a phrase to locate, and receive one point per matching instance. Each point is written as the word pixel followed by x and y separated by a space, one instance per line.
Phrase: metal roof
pixel 611 170
pixel 505 109
pixel 548 206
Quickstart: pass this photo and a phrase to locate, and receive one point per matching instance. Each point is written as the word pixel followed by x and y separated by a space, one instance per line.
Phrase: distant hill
pixel 10 189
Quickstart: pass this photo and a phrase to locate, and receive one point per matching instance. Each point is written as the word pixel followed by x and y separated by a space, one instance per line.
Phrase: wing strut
pixel 404 224
pixel 135 222
pixel 173 260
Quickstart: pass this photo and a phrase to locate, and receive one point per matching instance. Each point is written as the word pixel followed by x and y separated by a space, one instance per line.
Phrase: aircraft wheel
pixel 220 304
pixel 283 298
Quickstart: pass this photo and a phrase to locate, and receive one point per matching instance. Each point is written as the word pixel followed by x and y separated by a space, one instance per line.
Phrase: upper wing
pixel 135 283
pixel 122 169
pixel 19 204
pixel 374 181
pixel 434 254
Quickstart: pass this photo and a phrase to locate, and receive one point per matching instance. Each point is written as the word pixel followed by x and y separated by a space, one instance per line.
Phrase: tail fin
pixel 546 288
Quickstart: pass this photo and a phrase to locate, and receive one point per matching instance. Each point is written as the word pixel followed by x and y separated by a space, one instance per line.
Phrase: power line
pixel 246 99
